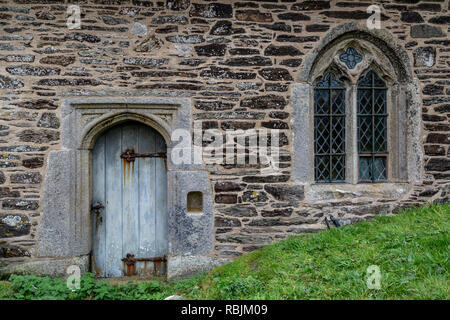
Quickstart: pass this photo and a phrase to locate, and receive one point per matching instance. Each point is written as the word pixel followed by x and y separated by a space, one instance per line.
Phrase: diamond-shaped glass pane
pixel 338 101
pixel 322 135
pixel 379 101
pixel 380 135
pixel 364 101
pixel 338 135
pixel 338 168
pixel 365 134
pixel 321 101
pixel 322 168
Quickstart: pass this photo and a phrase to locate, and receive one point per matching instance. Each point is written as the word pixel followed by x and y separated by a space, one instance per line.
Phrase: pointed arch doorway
pixel 66 227
pixel 129 193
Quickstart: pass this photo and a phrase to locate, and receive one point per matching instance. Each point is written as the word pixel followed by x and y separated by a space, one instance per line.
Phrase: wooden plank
pixel 161 202
pixel 113 212
pixel 135 198
pixel 130 193
pixel 147 198
pixel 98 195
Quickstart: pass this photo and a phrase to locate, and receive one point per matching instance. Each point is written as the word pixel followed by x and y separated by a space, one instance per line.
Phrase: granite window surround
pixel 381 55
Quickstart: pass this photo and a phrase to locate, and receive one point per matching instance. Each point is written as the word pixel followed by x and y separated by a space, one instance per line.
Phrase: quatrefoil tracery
pixel 350 57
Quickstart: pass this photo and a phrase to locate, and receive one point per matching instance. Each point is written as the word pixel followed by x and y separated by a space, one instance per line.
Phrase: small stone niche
pixel 195 202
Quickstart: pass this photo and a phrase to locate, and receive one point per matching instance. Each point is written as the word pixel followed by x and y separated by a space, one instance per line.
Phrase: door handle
pixel 98 215
pixel 96 207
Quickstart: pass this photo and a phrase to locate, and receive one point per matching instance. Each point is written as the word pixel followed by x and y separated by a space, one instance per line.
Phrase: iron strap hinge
pixel 130 156
pixel 130 262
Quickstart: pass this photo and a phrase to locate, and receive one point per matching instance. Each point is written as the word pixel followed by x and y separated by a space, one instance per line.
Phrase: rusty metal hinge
pixel 130 262
pixel 130 156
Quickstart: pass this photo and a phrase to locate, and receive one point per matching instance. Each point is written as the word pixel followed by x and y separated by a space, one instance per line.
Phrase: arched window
pixel 356 118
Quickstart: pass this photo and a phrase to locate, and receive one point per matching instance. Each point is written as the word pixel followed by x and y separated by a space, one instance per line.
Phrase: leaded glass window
pixel 372 128
pixel 329 129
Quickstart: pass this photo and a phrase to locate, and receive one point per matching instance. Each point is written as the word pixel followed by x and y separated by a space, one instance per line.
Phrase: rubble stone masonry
pixel 237 61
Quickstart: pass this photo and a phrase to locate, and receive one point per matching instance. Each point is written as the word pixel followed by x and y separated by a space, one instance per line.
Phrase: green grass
pixel 5 290
pixel 411 249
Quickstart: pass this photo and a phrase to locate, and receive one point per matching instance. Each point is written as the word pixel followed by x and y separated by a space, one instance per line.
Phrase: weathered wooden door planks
pixel 134 194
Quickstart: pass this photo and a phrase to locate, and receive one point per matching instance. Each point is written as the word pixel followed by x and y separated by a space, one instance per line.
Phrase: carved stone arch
pixel 380 39
pixel 101 124
pixel 372 57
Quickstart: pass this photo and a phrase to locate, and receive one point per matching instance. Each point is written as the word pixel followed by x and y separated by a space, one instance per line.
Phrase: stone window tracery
pixel 396 157
pixel 350 57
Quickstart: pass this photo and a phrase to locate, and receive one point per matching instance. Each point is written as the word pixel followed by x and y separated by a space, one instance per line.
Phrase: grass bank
pixel 410 249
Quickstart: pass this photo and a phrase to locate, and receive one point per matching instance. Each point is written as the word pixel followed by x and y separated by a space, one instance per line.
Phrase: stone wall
pixel 237 61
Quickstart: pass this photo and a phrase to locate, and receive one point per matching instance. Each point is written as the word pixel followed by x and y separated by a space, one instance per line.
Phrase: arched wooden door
pixel 129 179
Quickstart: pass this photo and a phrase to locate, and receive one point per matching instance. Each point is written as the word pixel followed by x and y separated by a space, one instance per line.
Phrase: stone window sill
pixel 341 191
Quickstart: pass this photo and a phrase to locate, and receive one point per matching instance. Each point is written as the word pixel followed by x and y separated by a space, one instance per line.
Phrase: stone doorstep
pixel 179 266
pixel 46 267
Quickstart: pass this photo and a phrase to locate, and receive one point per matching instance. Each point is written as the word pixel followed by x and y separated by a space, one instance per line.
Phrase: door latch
pixel 96 207
pixel 98 215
